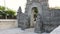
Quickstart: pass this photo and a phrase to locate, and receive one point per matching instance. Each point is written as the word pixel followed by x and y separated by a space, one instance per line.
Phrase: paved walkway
pixel 18 31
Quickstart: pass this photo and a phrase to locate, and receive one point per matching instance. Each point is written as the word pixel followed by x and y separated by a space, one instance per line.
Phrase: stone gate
pixel 46 19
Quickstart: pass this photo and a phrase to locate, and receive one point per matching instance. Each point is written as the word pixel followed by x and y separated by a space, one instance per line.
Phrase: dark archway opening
pixel 35 11
pixel 33 16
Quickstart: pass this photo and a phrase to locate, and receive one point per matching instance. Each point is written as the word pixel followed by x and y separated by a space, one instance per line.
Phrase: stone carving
pixel 22 19
pixel 38 25
pixel 46 21
pixel 18 14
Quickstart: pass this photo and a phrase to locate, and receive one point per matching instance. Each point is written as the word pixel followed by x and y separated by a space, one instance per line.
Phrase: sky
pixel 14 4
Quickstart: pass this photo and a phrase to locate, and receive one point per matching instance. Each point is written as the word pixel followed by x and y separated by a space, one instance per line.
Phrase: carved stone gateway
pixel 46 20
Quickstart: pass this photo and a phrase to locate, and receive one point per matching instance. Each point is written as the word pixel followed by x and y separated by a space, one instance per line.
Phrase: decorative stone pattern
pixel 22 19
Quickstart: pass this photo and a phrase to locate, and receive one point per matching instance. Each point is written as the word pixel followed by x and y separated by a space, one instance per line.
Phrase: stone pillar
pixel 18 16
pixel 39 23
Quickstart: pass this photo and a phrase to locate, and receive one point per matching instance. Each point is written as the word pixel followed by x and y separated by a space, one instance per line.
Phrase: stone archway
pixel 33 16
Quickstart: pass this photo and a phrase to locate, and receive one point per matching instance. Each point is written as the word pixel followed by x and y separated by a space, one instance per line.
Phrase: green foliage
pixel 8 12
pixel 2 13
pixel 35 10
pixel 2 8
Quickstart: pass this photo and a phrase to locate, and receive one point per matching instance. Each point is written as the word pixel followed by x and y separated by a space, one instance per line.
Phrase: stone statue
pixel 22 19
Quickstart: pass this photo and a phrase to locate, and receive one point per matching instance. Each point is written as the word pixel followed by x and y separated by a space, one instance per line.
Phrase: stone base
pixel 49 27
pixel 45 28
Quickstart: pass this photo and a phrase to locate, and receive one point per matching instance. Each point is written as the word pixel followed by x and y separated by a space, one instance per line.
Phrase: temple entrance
pixel 33 16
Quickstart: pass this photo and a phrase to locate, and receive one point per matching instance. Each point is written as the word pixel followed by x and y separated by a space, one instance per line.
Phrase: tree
pixel 2 8
pixel 4 13
pixel 10 13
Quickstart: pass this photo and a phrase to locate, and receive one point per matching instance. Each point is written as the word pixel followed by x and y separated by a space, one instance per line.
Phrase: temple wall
pixel 8 23
pixel 52 20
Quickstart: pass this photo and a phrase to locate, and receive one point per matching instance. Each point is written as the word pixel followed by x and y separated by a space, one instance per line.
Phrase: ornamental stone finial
pixel 20 10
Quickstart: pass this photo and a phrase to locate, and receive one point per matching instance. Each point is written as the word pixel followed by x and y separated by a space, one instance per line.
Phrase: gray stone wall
pixel 52 20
